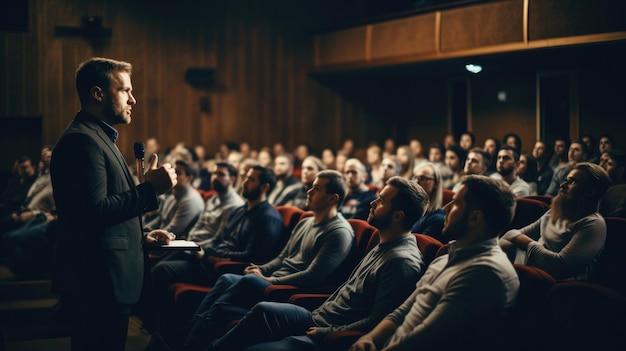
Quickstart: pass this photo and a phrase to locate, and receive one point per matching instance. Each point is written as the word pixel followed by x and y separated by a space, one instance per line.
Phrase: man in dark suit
pixel 100 251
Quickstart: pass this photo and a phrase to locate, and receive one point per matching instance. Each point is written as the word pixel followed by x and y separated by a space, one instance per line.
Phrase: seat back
pixel 363 234
pixel 291 216
pixel 428 246
pixel 447 197
pixel 611 268
pixel 526 212
pixel 543 198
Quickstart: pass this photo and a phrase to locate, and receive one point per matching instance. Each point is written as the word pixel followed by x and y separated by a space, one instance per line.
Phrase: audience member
pixel 218 208
pixel 448 141
pixel 234 158
pixel 180 207
pixel 347 148
pixel 477 162
pixel 590 141
pixel 383 278
pixel 467 141
pixel 265 158
pixel 359 195
pixel 373 160
pixel 455 160
pixel 14 193
pixel 507 163
pixel 559 154
pixel 577 153
pixel 492 145
pixel 317 247
pixel 513 140
pixel 418 153
pixel 340 161
pixel 278 149
pixel 389 147
pixel 310 167
pixel 389 167
pixel 527 170
pixel 287 185
pixel 328 159
pixel 407 162
pixel 612 204
pixel 464 293
pixel 544 171
pixel 436 155
pixel 300 153
pixel 244 166
pixel 567 240
pixel 428 177
pixel 606 144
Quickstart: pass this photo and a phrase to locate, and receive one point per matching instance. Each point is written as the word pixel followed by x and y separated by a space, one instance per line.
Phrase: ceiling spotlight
pixel 473 68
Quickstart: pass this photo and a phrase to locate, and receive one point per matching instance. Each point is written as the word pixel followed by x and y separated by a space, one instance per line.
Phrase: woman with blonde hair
pixel 427 175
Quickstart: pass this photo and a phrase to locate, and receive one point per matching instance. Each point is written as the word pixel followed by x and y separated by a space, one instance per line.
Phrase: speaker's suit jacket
pixel 100 249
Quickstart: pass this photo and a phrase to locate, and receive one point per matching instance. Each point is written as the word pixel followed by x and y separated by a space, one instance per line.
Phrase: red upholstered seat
pixel 428 246
pixel 526 212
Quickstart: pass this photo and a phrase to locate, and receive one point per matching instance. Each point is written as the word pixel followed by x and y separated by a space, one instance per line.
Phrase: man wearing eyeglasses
pixel 567 240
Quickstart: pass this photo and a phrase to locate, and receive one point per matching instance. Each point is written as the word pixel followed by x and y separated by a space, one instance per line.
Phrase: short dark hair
pixel 509 148
pixel 232 171
pixel 460 153
pixel 584 146
pixel 336 184
pixel 189 170
pixel 618 157
pixel 471 135
pixel 411 199
pixel 493 197
pixel 266 176
pixel 518 140
pixel 611 140
pixel 485 155
pixel 97 72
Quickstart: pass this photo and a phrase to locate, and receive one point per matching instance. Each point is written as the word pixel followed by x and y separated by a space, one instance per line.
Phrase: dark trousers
pixel 232 296
pixel 266 321
pixel 98 325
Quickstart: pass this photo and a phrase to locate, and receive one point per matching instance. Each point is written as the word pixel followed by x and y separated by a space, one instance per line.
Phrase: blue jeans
pixel 266 321
pixel 231 298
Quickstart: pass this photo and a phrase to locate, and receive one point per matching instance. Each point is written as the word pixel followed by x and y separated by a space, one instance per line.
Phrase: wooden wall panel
pixel 558 18
pixel 342 46
pixel 482 25
pixel 408 36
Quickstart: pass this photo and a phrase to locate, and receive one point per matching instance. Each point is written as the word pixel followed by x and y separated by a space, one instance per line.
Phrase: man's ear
pixel 398 216
pixel 475 217
pixel 97 93
pixel 265 187
pixel 333 198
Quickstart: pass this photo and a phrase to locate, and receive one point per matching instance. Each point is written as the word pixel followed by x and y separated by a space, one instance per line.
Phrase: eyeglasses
pixel 423 179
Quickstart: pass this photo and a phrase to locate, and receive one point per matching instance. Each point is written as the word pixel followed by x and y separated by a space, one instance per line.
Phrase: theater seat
pixel 611 268
pixel 447 197
pixel 527 211
pixel 428 246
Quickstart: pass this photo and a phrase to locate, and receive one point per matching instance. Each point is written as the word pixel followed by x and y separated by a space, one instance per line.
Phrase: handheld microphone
pixel 140 150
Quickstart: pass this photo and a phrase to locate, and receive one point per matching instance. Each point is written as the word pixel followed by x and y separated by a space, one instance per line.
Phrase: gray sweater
pixel 312 253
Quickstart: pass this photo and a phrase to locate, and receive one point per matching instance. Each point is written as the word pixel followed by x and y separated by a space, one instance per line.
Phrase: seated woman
pixel 428 177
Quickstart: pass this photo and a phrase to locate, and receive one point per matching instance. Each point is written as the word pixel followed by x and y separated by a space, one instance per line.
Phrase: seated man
pixel 357 202
pixel 217 208
pixel 383 278
pixel 464 293
pixel 181 206
pixel 477 162
pixel 506 167
pixel 287 185
pixel 250 235
pixel 568 239
pixel 316 249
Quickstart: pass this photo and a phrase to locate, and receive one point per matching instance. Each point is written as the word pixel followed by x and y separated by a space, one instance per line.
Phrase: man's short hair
pixel 357 162
pixel 493 197
pixel 600 178
pixel 189 170
pixel 410 199
pixel 618 157
pixel 582 144
pixel 471 135
pixel 97 72
pixel 336 184
pixel 266 176
pixel 485 155
pixel 507 147
pixel 232 171
pixel 289 158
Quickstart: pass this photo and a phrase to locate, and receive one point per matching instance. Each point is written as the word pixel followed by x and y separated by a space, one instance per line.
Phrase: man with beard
pixel 287 186
pixel 506 166
pixel 250 234
pixel 359 196
pixel 567 240
pixel 217 208
pixel 383 278
pixel 464 293
pixel 100 251
pixel 477 162
pixel 317 247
